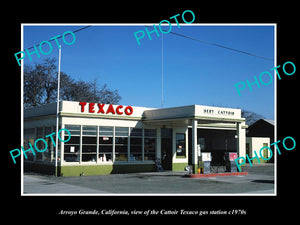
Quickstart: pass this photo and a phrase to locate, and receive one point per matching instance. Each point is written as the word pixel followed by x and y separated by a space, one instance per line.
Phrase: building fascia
pixel 99 116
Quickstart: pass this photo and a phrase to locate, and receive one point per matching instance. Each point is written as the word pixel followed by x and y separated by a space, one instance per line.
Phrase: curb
pixel 215 174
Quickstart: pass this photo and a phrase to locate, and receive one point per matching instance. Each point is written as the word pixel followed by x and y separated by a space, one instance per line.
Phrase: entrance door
pixel 166 148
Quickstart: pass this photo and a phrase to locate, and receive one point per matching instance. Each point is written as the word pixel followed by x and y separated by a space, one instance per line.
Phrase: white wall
pixel 180 130
pixel 255 144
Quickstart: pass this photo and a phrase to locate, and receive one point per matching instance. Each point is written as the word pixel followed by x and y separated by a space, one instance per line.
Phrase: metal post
pixel 194 145
pixel 162 71
pixel 57 110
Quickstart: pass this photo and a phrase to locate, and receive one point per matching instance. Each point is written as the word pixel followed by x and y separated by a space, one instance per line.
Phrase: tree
pixel 49 77
pixel 40 87
pixel 66 87
pixel 251 116
pixel 109 96
pixel 33 86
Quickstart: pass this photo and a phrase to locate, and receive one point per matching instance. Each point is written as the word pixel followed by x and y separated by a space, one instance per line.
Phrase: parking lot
pixel 260 180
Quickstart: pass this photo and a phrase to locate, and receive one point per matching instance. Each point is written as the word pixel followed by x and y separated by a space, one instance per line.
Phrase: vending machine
pixel 230 163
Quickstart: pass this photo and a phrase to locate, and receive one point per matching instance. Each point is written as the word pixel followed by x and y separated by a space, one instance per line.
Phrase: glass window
pixel 105 144
pixel 72 147
pixel 121 140
pixel 29 132
pixel 136 148
pixel 89 130
pixel 89 140
pixel 149 144
pixel 105 153
pixel 150 133
pixel 71 153
pixel 48 154
pixel 121 143
pixel 136 132
pixel 121 152
pixel 180 145
pixel 74 129
pixel 106 131
pixel 47 130
pixel 74 140
pixel 89 144
pixel 29 137
pixel 39 132
pixel 40 144
pixel 105 140
pixel 121 131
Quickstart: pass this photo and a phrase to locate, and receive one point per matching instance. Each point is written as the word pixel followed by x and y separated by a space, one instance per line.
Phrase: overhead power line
pixel 221 46
pixel 66 35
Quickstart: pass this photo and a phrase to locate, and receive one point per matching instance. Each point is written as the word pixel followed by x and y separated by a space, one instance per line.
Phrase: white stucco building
pixel 116 139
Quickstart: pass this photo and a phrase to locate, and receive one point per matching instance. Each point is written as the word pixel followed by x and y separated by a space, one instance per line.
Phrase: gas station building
pixel 109 138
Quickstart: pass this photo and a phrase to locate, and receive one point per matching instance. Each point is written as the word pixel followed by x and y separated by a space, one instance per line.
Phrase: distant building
pixel 256 133
pixel 261 128
pixel 255 144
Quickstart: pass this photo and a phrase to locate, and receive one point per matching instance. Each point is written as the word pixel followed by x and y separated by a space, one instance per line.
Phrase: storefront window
pixel 136 137
pixel 89 144
pixel 121 143
pixel 48 154
pixel 29 137
pixel 126 143
pixel 105 144
pixel 72 147
pixel 180 145
pixel 149 144
pixel 40 144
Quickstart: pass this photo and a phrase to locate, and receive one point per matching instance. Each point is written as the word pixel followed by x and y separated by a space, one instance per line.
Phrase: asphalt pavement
pixel 259 181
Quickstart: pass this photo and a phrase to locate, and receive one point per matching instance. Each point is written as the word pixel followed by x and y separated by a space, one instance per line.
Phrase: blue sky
pixel 194 72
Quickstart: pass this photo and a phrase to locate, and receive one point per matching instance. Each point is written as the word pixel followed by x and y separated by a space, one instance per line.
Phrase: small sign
pixel 206 156
pixel 179 150
pixel 72 149
pixel 232 156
